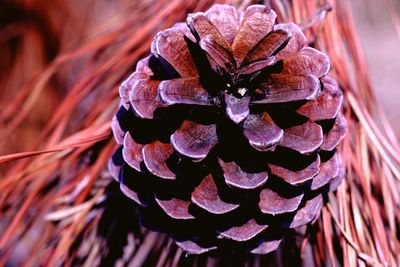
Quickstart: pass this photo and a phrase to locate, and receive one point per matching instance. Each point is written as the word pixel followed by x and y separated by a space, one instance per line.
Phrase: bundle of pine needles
pixel 62 63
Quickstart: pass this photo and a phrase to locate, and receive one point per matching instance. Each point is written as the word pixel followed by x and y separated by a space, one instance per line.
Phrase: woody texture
pixel 228 132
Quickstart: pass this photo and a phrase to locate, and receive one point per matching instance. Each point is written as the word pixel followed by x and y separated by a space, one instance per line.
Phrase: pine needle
pixel 63 63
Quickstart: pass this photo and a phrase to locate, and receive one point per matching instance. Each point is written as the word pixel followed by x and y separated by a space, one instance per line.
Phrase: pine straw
pixel 61 72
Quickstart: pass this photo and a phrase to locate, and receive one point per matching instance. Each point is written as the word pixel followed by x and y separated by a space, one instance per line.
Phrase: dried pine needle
pixel 54 123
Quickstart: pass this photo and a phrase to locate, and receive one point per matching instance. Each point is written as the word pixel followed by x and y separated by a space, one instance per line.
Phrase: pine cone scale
pixel 186 91
pixel 257 22
pixel 304 138
pixel 207 197
pixel 307 213
pixel 297 177
pixel 267 246
pixel 238 177
pixel 194 140
pixel 262 132
pixel 273 203
pixel 326 106
pixel 267 46
pixel 226 21
pixel 336 134
pixel 132 152
pixel 327 171
pixel 155 157
pixel 244 232
pixel 296 42
pixel 171 46
pixel 144 98
pixel 176 208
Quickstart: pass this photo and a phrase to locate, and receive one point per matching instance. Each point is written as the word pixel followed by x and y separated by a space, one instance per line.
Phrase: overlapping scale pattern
pixel 228 132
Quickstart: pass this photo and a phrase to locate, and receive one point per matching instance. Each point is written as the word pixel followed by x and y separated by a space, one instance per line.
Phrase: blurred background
pixel 379 32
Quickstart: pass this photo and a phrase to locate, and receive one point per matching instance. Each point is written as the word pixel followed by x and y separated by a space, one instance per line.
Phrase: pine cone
pixel 228 131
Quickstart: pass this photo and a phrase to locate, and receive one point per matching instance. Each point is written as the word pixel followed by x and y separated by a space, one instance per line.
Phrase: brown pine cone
pixel 228 131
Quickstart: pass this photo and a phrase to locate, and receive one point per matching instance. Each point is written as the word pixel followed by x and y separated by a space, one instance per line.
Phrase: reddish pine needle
pixel 61 89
